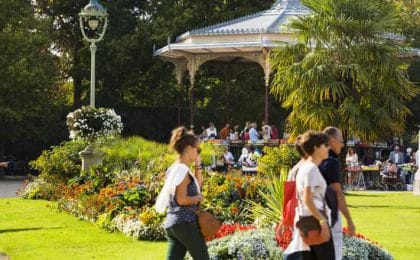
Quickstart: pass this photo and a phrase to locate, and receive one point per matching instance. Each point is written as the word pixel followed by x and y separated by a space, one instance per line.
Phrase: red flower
pixel 360 236
pixel 227 229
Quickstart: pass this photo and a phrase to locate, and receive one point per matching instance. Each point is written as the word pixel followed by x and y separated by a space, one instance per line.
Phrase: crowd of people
pixel 392 166
pixel 249 132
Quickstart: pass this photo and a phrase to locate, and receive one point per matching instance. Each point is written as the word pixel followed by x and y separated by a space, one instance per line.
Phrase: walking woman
pixel 310 189
pixel 180 197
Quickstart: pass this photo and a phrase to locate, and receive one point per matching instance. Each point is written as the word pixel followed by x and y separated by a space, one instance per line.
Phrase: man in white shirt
pixel 211 131
pixel 397 156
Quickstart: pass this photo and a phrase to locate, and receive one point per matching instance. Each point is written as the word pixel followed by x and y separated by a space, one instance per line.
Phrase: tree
pixel 28 75
pixel 344 72
pixel 409 25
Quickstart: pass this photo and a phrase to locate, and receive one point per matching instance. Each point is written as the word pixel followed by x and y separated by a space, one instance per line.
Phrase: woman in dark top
pixel 180 197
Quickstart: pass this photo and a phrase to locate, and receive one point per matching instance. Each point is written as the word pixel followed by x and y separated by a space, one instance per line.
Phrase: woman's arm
pixel 198 171
pixel 182 197
pixel 309 203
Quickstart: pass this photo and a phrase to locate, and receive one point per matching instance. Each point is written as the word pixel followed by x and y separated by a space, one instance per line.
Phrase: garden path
pixel 9 185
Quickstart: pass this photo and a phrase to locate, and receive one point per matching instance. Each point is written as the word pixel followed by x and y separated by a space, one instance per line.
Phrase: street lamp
pixel 93 23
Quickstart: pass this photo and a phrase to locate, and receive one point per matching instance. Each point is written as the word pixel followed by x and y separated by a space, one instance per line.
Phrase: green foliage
pixel 355 248
pixel 339 72
pixel 229 196
pixel 60 163
pixel 277 160
pixel 271 210
pixel 135 152
pixel 39 189
pixel 29 76
pixel 136 196
pixel 208 150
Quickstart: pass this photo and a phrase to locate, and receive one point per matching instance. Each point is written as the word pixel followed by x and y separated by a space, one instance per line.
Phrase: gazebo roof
pixel 245 34
pixel 262 22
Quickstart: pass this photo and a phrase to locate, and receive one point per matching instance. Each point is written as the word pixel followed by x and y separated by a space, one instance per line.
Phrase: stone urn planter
pixel 95 125
pixel 91 156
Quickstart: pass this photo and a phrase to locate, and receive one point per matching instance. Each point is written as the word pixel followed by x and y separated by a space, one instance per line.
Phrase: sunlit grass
pixel 392 219
pixel 31 230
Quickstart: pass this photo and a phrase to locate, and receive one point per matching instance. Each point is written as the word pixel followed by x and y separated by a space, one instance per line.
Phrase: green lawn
pixel 31 230
pixel 392 219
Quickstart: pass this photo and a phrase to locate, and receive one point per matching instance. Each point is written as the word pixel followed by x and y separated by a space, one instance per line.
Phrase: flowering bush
pixel 277 159
pixel 89 123
pixel 354 247
pixel 357 248
pixel 40 189
pixel 146 226
pixel 228 229
pixel 250 244
pixel 229 196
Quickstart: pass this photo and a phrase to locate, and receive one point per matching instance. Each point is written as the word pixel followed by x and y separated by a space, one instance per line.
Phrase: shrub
pixel 277 160
pixel 209 151
pixel 137 153
pixel 229 196
pixel 40 189
pixel 271 210
pixel 147 226
pixel 60 163
pixel 251 244
pixel 356 248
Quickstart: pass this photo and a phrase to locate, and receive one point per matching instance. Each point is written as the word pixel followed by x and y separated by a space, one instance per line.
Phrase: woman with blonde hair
pixel 180 197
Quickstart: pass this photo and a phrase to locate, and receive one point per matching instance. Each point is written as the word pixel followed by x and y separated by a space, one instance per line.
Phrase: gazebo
pixel 242 42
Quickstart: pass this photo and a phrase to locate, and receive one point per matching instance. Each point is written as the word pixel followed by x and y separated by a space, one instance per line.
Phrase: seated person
pixel 211 131
pixel 228 159
pixel 390 169
pixel 244 156
pixel 253 156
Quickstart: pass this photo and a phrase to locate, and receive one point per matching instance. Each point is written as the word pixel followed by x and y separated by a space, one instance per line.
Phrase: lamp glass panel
pixel 93 24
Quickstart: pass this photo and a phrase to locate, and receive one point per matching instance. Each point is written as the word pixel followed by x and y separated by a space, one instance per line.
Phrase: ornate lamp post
pixel 416 183
pixel 93 23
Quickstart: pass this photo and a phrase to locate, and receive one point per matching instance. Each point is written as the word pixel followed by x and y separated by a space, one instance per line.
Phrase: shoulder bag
pixel 310 229
pixel 208 223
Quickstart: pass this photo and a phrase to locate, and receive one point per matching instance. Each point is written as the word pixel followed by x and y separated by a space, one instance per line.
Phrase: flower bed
pixel 354 247
pixel 120 194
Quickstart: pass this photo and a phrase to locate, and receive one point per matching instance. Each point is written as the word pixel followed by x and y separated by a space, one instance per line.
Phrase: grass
pixel 392 219
pixel 31 230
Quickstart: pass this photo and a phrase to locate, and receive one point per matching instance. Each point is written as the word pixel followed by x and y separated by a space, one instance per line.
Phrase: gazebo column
pixel 267 83
pixel 192 66
pixel 265 63
pixel 181 67
pixel 192 81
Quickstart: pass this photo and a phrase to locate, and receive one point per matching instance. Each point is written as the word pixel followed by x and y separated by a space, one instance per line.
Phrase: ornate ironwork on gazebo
pixel 244 41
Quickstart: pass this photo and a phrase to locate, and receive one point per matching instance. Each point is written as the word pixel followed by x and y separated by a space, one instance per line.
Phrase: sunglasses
pixel 198 150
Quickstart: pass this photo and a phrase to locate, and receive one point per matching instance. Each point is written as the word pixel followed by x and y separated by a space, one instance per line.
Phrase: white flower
pixel 82 121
